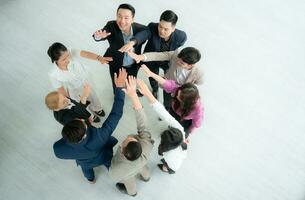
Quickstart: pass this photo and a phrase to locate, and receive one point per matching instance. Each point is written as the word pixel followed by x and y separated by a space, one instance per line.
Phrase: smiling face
pixel 124 19
pixel 165 29
pixel 64 59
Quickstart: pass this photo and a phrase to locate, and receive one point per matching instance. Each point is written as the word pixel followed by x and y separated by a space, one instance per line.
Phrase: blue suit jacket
pixel 178 38
pixel 97 148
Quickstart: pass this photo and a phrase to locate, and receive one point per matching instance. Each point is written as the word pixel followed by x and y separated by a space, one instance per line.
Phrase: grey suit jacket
pixel 123 169
pixel 195 76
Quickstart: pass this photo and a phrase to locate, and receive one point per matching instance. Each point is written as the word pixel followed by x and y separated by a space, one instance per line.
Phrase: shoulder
pixel 181 35
pixel 138 26
pixel 153 25
pixel 54 72
pixel 111 23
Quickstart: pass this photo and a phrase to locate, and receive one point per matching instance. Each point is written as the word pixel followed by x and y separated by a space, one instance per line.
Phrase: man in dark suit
pixel 162 36
pixel 119 34
pixel 91 146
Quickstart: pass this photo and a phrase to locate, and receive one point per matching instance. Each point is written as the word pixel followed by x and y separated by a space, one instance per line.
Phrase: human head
pixel 56 101
pixel 74 131
pixel 188 57
pixel 59 54
pixel 131 148
pixel 186 98
pixel 167 24
pixel 125 16
pixel 170 139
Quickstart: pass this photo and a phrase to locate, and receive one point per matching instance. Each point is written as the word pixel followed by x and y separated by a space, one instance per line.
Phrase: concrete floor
pixel 251 146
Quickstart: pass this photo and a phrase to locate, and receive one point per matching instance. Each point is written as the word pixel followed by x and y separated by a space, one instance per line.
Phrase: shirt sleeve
pixel 170 86
pixel 174 158
pixel 198 117
pixel 158 56
pixel 75 53
pixel 164 115
pixel 55 83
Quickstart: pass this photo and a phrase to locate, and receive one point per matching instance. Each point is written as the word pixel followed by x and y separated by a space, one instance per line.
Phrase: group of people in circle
pixel 78 108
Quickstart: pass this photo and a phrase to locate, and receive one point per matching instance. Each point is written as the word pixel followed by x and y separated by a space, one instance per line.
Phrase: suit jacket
pixel 116 41
pixel 151 34
pixel 79 111
pixel 121 168
pixel 96 148
pixel 195 76
pixel 178 39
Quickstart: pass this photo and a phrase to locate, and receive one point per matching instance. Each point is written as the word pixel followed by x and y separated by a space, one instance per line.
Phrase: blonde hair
pixel 52 100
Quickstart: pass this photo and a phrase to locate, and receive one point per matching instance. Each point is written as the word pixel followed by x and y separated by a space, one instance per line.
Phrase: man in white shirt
pixel 68 75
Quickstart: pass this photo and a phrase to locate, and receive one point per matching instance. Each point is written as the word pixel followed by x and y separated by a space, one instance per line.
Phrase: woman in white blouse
pixel 172 147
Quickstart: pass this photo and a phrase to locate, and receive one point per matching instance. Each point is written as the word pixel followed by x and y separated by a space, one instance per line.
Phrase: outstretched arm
pixel 93 56
pixel 117 108
pixel 130 90
pixel 158 107
pixel 151 74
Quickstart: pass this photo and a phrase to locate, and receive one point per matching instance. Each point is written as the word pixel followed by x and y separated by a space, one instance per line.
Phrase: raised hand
pixel 101 34
pixel 137 58
pixel 120 80
pixel 104 60
pixel 127 47
pixel 146 70
pixel 143 87
pixel 131 86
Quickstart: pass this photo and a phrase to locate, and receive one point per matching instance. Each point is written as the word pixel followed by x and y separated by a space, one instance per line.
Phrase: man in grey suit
pixel 182 66
pixel 132 155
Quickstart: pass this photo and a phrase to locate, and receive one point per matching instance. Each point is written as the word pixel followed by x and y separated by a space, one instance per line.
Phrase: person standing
pixel 162 36
pixel 69 76
pixel 119 34
pixel 133 154
pixel 89 146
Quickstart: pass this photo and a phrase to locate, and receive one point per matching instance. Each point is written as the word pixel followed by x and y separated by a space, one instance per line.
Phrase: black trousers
pixel 155 68
pixel 186 124
pixel 131 70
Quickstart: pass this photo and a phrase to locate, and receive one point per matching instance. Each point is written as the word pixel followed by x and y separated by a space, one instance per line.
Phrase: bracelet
pixel 97 58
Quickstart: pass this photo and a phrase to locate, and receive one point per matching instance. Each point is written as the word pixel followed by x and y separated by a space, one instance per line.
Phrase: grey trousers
pixel 130 183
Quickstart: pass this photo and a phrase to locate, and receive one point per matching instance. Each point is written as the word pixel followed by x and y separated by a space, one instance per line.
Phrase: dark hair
pixel 190 55
pixel 55 51
pixel 189 95
pixel 132 151
pixel 171 139
pixel 128 7
pixel 74 131
pixel 169 16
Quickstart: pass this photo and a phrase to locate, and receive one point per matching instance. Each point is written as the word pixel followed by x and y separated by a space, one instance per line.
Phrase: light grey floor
pixel 251 146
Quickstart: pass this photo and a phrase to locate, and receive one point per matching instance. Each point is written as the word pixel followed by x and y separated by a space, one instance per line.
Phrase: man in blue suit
pixel 162 36
pixel 91 146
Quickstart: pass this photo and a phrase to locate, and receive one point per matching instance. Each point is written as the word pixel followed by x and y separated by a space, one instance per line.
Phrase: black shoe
pixel 121 187
pixel 93 181
pixel 155 93
pixel 96 119
pixel 139 93
pixel 100 113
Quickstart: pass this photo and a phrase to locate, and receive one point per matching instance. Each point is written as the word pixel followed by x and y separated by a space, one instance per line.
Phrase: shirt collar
pixel 131 32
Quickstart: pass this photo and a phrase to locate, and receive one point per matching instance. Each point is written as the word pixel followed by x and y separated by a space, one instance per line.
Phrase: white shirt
pixel 182 75
pixel 175 157
pixel 72 78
